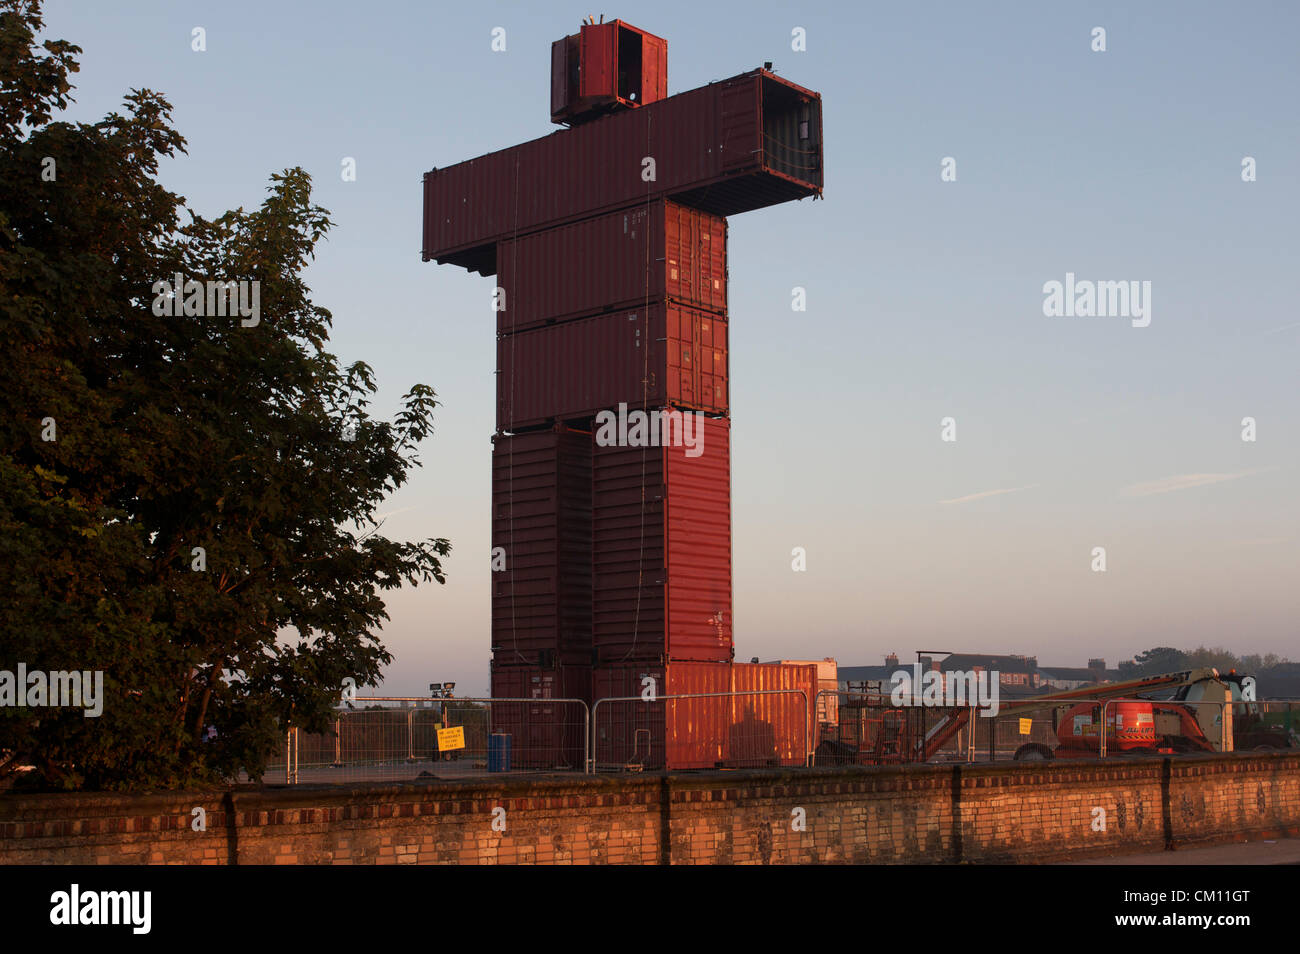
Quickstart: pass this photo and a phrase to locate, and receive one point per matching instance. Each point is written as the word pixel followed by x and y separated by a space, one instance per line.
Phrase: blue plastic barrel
pixel 499 752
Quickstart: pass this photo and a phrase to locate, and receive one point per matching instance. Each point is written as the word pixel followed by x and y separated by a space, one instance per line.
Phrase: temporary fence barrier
pixel 413 737
pixel 869 729
pixel 1266 725
pixel 397 737
pixel 743 729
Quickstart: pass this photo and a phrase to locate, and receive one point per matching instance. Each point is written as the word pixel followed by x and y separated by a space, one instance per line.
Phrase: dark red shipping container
pixel 606 66
pixel 541 520
pixel 736 731
pixel 544 734
pixel 632 258
pixel 739 144
pixel 665 355
pixel 661 550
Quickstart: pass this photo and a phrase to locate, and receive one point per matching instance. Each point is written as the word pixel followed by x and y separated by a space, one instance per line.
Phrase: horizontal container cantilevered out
pixel 739 144
pixel 634 257
pixel 666 355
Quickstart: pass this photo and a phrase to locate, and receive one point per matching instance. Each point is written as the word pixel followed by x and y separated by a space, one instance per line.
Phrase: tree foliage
pixel 1165 659
pixel 175 432
pixel 1154 662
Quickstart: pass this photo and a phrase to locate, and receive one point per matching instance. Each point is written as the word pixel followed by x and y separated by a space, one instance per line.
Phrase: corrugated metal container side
pixel 537 682
pixel 792 716
pixel 545 736
pixel 665 355
pixel 541 518
pixel 733 731
pixel 661 551
pixel 616 261
pixel 725 148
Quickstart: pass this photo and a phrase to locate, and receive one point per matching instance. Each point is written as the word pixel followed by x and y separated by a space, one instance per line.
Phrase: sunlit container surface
pixel 665 355
pixel 739 144
pixel 733 731
pixel 541 521
pixel 661 550
pixel 625 259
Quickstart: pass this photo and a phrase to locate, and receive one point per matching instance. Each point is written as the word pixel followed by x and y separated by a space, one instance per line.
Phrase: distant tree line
pixel 1162 659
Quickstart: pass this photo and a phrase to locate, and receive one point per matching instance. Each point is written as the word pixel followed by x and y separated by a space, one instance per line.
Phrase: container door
pixel 599 51
pixel 740 122
pixel 690 366
pixel 687 254
pixel 559 76
pixel 654 60
pixel 718 370
pixel 674 218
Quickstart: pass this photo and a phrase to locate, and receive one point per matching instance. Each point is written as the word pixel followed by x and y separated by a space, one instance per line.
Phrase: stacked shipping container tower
pixel 611 536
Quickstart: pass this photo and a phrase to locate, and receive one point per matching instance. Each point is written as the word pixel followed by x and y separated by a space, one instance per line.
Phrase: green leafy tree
pixel 187 501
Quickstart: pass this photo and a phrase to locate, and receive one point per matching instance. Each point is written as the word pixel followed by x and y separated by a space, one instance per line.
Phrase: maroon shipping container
pixel 632 258
pixel 743 143
pixel 541 520
pixel 661 550
pixel 745 730
pixel 545 734
pixel 606 66
pixel 665 355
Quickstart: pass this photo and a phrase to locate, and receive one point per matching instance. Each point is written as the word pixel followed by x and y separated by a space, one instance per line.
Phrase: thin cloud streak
pixel 1167 485
pixel 381 517
pixel 988 493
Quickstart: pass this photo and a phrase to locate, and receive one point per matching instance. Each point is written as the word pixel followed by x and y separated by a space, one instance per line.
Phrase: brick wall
pixel 914 814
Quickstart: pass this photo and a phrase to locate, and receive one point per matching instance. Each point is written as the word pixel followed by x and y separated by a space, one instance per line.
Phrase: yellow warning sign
pixel 1025 725
pixel 449 739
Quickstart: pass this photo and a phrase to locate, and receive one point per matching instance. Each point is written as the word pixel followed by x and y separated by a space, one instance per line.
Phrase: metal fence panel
pixel 746 729
pixel 870 730
pixel 381 739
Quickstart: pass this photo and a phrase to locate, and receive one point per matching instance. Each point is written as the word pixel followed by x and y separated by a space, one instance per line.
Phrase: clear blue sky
pixel 924 299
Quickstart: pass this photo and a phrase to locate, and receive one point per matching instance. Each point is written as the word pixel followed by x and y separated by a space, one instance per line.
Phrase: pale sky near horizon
pixel 925 300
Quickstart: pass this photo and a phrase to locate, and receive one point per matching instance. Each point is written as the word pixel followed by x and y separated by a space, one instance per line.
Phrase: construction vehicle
pixel 873 731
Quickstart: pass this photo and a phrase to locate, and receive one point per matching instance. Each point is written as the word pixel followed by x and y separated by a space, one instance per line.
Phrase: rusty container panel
pixel 740 729
pixel 773 727
pixel 598 76
pixel 541 521
pixel 665 355
pixel 654 68
pixel 661 550
pixel 698 732
pixel 739 144
pixel 664 734
pixel 631 258
pixel 545 734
